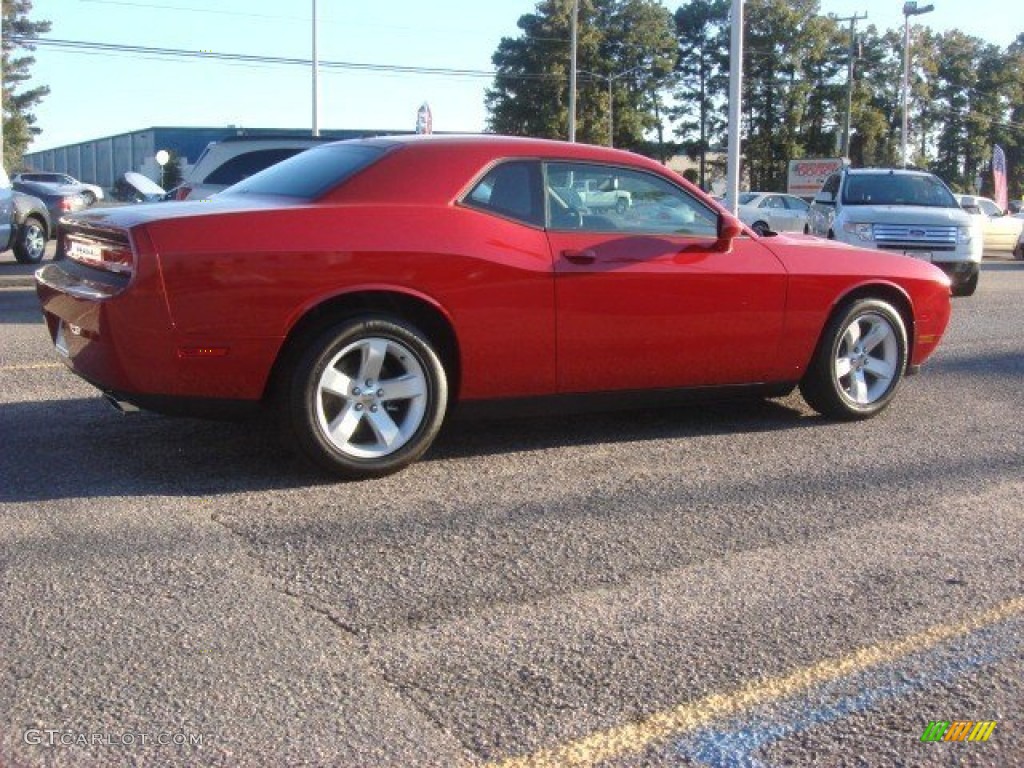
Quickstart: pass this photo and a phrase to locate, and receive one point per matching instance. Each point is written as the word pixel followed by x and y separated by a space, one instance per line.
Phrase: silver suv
pixel 230 160
pixel 910 212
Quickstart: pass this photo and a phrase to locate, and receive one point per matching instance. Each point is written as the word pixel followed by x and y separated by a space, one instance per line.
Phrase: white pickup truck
pixel 603 194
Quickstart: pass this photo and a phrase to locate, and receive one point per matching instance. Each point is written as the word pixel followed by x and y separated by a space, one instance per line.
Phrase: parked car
pixel 999 231
pixel 24 223
pixel 89 192
pixel 59 199
pixel 603 194
pixel 905 211
pixel 766 212
pixel 132 187
pixel 230 160
pixel 364 289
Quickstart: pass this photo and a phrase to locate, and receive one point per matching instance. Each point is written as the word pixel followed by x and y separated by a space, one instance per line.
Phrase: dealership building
pixel 102 161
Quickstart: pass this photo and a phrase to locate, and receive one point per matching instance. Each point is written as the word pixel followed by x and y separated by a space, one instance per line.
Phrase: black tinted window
pixel 510 189
pixel 309 174
pixel 245 165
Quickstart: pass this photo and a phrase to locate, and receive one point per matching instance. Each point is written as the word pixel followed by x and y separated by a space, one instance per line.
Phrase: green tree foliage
pixel 629 43
pixel 18 121
pixel 965 94
pixel 701 77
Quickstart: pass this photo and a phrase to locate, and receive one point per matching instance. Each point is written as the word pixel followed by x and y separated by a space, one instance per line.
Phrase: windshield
pixel 746 197
pixel 309 174
pixel 897 189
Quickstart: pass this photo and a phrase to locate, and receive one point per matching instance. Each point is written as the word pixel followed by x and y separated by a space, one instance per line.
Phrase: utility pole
pixel 316 82
pixel 849 78
pixel 572 70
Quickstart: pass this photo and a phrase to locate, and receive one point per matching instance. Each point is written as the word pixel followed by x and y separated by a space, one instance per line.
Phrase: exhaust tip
pixel 121 406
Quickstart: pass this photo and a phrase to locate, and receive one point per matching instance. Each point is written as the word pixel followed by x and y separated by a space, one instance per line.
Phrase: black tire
pixel 761 228
pixel 966 288
pixel 30 244
pixel 865 390
pixel 621 205
pixel 392 381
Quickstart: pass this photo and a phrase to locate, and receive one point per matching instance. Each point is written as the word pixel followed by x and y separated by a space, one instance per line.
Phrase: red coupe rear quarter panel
pixel 249 278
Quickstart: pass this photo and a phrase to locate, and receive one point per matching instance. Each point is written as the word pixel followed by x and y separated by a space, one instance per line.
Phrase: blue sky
pixel 95 95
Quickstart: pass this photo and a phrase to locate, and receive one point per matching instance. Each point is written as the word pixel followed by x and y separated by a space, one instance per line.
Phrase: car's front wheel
pixel 761 228
pixel 366 398
pixel 859 362
pixel 30 244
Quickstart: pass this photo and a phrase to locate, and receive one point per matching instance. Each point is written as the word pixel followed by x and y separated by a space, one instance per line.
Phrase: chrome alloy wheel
pixel 35 242
pixel 867 359
pixel 371 397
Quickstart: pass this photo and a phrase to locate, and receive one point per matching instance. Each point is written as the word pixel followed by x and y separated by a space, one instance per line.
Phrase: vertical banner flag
pixel 424 120
pixel 999 176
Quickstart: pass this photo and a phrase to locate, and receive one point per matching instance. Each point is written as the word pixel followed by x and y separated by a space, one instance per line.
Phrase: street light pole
pixel 910 8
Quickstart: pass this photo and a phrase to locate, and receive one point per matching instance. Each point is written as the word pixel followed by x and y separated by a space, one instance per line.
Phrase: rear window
pixel 247 164
pixel 309 174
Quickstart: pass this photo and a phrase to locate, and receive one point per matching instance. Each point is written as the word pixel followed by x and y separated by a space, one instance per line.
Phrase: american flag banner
pixel 999 176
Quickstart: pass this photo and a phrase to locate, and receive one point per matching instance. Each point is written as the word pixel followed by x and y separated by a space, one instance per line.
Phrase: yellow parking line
pixel 29 367
pixel 633 738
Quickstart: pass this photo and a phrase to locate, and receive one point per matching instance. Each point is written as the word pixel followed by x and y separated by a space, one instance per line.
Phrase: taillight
pixel 66 204
pixel 109 255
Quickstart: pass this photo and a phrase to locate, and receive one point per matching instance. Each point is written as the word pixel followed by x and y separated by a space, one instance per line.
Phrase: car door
pixel 645 300
pixel 775 211
pixel 796 213
pixel 6 211
pixel 1001 231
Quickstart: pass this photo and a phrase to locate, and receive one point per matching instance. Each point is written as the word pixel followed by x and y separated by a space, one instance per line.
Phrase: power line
pixel 83 46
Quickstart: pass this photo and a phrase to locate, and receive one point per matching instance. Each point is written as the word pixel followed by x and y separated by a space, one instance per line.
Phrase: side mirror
pixel 825 198
pixel 729 228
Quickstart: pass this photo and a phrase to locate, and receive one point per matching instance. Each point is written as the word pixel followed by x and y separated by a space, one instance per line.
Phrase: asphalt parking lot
pixel 730 585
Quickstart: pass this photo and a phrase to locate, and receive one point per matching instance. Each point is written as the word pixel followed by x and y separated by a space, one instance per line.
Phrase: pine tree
pixel 18 121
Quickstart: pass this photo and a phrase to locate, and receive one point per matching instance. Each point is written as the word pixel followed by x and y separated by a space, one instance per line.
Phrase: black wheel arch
pixel 427 317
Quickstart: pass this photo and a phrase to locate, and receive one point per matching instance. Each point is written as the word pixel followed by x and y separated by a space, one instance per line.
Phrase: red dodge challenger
pixel 364 288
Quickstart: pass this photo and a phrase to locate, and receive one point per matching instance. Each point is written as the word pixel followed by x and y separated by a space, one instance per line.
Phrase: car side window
pixel 831 185
pixel 796 204
pixel 989 208
pixel 510 189
pixel 591 197
pixel 774 201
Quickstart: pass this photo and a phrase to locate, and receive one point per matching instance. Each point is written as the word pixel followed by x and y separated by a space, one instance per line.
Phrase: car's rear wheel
pixel 859 362
pixel 366 398
pixel 88 196
pixel 31 241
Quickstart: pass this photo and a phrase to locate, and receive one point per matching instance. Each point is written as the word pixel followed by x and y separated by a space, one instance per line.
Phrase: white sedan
pixel 772 212
pixel 1000 231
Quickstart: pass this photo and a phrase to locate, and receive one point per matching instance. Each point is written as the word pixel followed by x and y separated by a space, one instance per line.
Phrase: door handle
pixel 585 256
